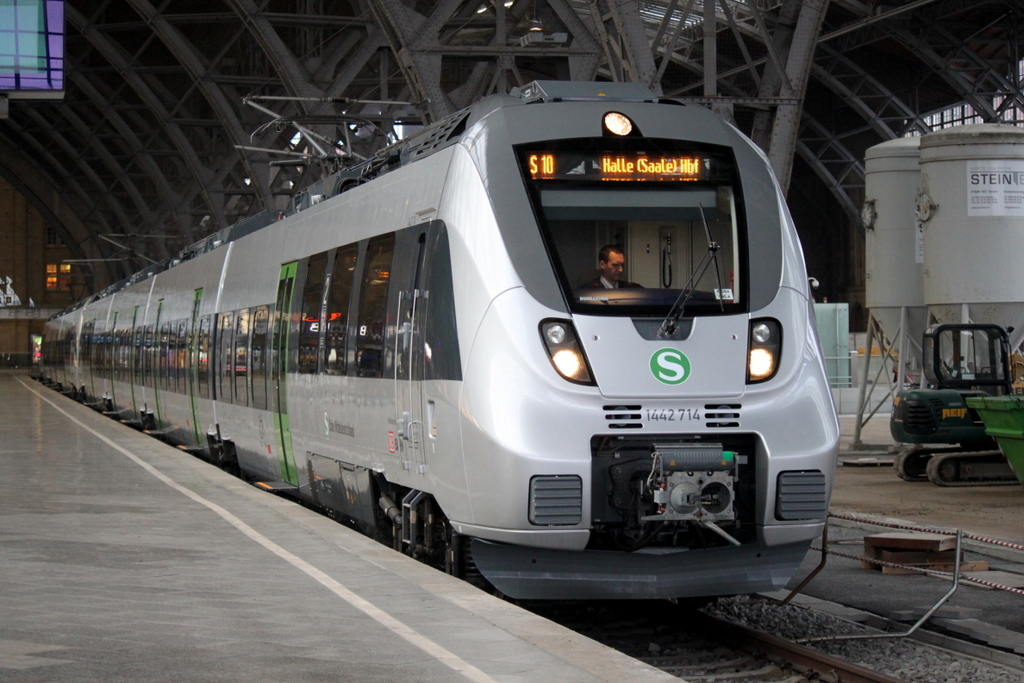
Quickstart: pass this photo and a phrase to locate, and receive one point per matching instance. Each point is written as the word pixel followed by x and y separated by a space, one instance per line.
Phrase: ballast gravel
pixel 902 658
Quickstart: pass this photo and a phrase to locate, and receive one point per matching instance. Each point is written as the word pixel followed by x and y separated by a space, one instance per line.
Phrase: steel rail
pixel 837 669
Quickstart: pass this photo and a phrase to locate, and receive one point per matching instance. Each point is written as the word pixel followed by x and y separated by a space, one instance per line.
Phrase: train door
pixel 410 315
pixel 193 366
pixel 279 373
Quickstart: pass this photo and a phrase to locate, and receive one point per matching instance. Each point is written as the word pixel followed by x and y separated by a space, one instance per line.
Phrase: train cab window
pixel 225 354
pixel 203 357
pixel 258 357
pixel 336 314
pixel 373 304
pixel 309 322
pixel 633 225
pixel 241 363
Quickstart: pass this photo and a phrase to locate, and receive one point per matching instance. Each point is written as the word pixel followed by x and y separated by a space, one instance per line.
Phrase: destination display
pixel 555 165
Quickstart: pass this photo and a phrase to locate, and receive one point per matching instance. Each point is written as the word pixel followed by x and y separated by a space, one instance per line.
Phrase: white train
pixel 424 346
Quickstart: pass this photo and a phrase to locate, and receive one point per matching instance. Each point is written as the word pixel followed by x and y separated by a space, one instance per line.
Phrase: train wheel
pixel 912 465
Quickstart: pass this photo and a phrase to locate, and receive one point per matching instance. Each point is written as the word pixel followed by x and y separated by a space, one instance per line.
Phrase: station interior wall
pixel 24 255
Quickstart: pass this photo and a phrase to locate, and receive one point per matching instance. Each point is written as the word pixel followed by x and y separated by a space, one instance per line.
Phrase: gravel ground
pixel 901 657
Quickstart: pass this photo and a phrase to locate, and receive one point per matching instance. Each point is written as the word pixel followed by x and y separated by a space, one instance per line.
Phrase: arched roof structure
pixel 183 117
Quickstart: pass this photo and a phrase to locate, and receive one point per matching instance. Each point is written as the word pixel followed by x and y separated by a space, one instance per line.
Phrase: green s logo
pixel 670 366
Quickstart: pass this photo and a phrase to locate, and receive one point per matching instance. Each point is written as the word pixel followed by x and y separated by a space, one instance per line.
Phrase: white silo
pixel 972 206
pixel 894 255
pixel 893 284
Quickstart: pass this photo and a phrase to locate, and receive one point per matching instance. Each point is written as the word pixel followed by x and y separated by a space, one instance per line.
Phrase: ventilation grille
pixel 447 131
pixel 801 495
pixel 623 417
pixel 918 418
pixel 556 500
pixel 722 415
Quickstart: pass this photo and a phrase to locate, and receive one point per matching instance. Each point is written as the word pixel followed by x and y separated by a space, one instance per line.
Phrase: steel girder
pixel 165 84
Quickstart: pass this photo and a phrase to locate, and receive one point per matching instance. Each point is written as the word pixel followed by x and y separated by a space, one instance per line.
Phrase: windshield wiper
pixel 668 325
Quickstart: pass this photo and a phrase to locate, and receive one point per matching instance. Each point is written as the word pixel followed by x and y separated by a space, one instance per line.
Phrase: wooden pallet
pixel 915 549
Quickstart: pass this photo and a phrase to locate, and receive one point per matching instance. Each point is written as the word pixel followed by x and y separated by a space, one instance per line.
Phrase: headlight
pixel 555 334
pixel 617 124
pixel 568 363
pixel 762 362
pixel 564 351
pixel 765 350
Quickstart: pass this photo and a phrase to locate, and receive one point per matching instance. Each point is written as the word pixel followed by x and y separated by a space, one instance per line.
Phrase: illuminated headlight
pixel 564 351
pixel 568 363
pixel 762 362
pixel 765 350
pixel 617 124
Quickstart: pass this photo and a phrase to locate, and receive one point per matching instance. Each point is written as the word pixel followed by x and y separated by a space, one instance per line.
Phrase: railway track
pixel 696 646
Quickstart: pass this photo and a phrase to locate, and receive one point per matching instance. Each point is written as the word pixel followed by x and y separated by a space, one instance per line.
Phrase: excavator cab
pixel 971 358
pixel 946 438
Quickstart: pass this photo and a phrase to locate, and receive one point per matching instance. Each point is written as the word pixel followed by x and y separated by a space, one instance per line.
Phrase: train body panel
pixel 710 363
pixel 431 353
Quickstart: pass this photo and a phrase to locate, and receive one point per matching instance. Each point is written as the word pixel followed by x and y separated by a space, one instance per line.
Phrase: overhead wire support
pixel 334 100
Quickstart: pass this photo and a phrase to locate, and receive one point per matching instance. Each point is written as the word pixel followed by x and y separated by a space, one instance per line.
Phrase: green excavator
pixel 945 439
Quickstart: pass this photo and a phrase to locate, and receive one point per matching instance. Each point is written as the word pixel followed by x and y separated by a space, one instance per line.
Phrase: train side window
pixel 137 358
pixel 180 359
pixel 373 306
pixel 97 352
pixel 115 355
pixel 172 357
pixel 86 348
pixel 225 354
pixel 440 334
pixel 258 357
pixel 164 355
pixel 148 357
pixel 241 358
pixel 309 322
pixel 109 360
pixel 336 317
pixel 203 357
pixel 127 346
pixel 120 350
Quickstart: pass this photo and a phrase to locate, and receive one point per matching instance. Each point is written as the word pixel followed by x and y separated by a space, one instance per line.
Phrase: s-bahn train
pixel 423 345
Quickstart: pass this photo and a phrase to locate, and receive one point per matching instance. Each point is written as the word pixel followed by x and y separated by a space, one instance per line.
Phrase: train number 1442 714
pixel 673 414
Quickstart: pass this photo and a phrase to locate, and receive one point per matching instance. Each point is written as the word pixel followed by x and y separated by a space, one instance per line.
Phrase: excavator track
pixel 912 464
pixel 965 468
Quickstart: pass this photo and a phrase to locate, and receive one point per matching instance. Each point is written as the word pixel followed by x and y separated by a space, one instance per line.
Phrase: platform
pixel 123 559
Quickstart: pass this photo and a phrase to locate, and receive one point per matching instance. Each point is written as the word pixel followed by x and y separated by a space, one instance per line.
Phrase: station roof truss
pixel 182 118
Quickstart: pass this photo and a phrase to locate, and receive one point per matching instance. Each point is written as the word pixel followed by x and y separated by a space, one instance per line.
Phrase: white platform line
pixel 377 614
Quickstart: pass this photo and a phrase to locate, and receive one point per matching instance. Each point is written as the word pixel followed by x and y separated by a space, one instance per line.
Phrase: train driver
pixel 612 263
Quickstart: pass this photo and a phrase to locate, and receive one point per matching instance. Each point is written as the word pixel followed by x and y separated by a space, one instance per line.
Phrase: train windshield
pixel 632 225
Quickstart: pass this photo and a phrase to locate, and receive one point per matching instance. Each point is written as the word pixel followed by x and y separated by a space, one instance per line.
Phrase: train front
pixel 648 415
